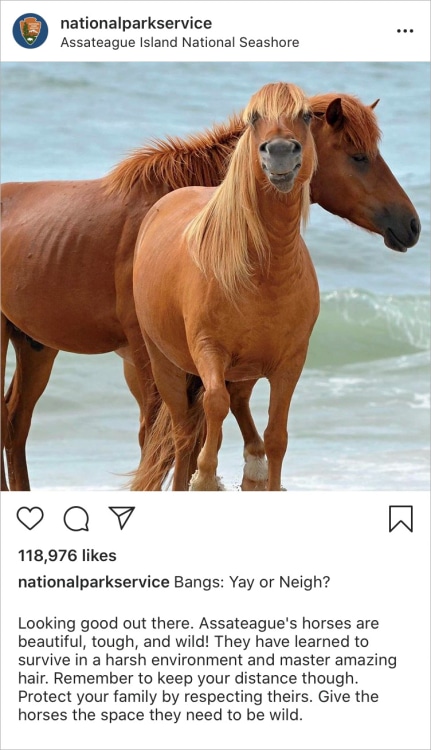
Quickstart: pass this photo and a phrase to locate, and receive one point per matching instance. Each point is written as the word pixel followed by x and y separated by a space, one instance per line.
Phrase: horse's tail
pixel 159 449
pixel 158 454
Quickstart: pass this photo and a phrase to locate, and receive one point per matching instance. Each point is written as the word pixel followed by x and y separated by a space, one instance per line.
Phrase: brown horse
pixel 67 248
pixel 224 285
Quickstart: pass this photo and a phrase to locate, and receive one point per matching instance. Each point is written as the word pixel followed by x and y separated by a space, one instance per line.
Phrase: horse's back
pixel 59 245
pixel 16 196
pixel 173 210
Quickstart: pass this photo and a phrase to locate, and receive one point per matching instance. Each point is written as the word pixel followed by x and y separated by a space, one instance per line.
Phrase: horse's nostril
pixel 283 146
pixel 263 147
pixel 415 226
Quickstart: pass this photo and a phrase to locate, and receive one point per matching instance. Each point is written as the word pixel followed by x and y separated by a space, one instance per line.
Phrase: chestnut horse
pixel 67 248
pixel 225 288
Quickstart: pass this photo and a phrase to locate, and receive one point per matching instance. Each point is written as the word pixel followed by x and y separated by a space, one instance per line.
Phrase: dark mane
pixel 360 123
pixel 179 162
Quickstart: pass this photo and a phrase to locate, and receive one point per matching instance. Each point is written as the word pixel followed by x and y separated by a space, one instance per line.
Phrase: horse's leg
pixel 4 409
pixel 275 436
pixel 216 403
pixel 132 380
pixel 255 468
pixel 140 380
pixel 186 418
pixel 32 373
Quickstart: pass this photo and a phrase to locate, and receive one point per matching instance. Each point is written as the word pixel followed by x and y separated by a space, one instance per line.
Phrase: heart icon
pixel 29 517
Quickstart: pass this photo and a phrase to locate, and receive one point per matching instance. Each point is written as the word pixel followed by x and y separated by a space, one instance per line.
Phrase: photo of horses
pixel 244 247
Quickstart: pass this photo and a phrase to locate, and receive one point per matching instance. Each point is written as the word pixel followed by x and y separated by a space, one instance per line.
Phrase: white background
pixel 336 30
pixel 373 574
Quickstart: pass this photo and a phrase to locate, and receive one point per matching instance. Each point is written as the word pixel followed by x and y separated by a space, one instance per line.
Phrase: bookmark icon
pixel 401 514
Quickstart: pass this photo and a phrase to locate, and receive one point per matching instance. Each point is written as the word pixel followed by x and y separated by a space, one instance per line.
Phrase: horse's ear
pixel 334 114
pixel 374 104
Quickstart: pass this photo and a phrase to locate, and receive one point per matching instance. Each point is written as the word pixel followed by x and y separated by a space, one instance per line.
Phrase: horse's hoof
pixel 255 473
pixel 199 483
pixel 256 467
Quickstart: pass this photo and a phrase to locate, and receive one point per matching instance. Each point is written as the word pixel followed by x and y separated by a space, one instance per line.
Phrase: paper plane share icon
pixel 123 513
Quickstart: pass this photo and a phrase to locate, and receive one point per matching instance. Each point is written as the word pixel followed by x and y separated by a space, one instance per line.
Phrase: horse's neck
pixel 281 215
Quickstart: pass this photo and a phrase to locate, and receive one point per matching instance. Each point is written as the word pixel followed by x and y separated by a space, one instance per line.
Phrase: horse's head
pixel 353 181
pixel 279 118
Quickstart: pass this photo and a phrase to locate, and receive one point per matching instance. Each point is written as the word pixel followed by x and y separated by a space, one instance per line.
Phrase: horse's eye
pixel 253 118
pixel 307 117
pixel 361 158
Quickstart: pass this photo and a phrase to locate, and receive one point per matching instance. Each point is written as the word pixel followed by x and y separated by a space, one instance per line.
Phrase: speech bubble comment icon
pixel 29 517
pixel 76 518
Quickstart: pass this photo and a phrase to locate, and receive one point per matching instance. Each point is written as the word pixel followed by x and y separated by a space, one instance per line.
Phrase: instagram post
pixel 215 279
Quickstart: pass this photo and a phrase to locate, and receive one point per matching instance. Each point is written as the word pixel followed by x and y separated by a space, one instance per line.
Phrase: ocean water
pixel 360 414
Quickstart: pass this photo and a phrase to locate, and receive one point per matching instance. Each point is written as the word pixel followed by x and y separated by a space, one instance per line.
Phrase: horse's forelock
pixel 274 100
pixel 360 123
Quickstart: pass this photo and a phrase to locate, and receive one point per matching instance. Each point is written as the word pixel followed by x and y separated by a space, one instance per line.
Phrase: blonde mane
pixel 220 236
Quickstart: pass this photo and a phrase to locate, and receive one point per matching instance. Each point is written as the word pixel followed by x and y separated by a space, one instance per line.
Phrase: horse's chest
pixel 267 330
pixel 258 355
pixel 270 338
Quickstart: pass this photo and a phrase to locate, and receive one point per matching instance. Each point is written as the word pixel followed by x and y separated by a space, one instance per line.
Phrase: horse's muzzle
pixel 281 160
pixel 400 231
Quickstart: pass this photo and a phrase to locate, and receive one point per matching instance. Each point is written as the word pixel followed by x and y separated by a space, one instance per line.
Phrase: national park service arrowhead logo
pixel 30 30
